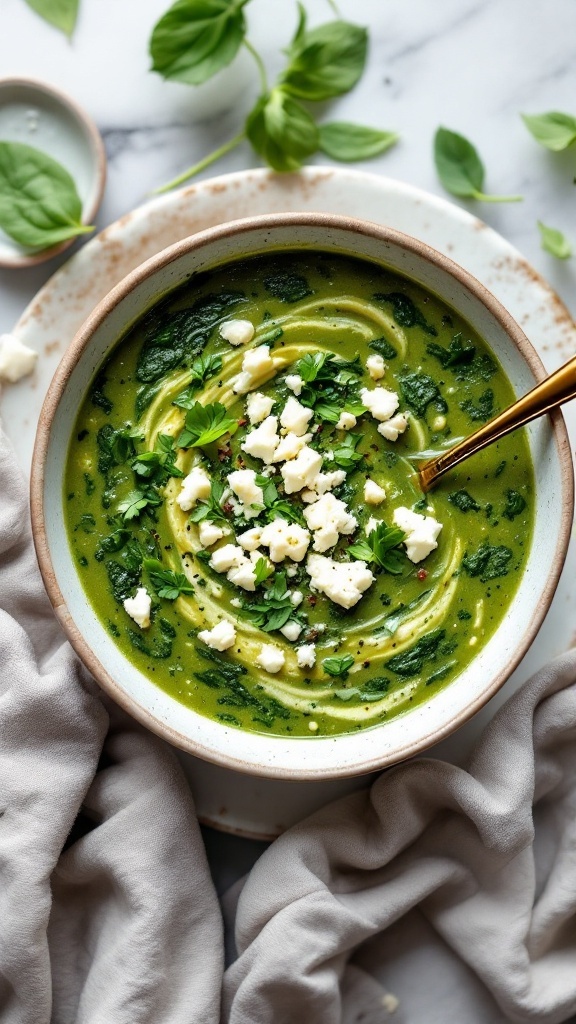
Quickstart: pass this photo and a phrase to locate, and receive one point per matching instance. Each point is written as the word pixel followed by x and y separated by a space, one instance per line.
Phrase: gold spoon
pixel 553 391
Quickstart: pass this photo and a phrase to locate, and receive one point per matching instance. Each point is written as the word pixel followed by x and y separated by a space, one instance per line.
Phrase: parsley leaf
pixel 167 584
pixel 136 502
pixel 345 454
pixel 158 466
pixel 205 424
pixel 202 369
pixel 338 666
pixel 262 570
pixel 212 508
pixel 382 546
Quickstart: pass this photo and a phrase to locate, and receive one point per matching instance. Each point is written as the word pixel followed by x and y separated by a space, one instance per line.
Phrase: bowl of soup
pixel 227 515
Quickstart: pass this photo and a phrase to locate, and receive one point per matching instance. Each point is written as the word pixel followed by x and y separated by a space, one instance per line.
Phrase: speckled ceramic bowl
pixel 315 757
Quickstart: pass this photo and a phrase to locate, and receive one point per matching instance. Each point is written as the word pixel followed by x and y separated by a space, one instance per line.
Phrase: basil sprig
pixel 197 38
pixel 460 168
pixel 60 13
pixel 382 546
pixel 39 202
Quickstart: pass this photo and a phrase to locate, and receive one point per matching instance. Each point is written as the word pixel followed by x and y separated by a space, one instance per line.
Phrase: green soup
pixel 328 626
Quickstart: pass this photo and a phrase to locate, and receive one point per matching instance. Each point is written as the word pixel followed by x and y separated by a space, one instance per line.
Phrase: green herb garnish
pixel 464 501
pixel 405 312
pixel 515 504
pixel 481 410
pixel 39 202
pixel 419 391
pixel 554 130
pixel 205 424
pixel 460 168
pixel 347 142
pixel 212 508
pixel 338 666
pixel 489 562
pixel 135 503
pixel 412 661
pixel 456 354
pixel 167 584
pixel 382 546
pixel 158 466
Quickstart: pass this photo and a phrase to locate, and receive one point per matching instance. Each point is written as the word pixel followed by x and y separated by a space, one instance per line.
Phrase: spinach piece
pixel 483 409
pixel 489 562
pixel 440 673
pixel 144 397
pixel 182 334
pixel 383 347
pixel 456 354
pixel 405 312
pixel 123 580
pixel 481 369
pixel 87 522
pixel 515 504
pixel 372 690
pixel 97 396
pixel 287 286
pixel 464 615
pixel 115 446
pixel 411 662
pixel 90 484
pixel 161 647
pixel 391 621
pixel 113 542
pixel 464 501
pixel 419 391
pixel 227 675
pixel 500 468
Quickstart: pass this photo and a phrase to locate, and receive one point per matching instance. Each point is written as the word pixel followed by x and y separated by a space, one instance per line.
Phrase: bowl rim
pixel 71 357
pixel 87 128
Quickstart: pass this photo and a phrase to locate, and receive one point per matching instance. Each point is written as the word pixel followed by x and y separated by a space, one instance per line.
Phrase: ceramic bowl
pixel 317 757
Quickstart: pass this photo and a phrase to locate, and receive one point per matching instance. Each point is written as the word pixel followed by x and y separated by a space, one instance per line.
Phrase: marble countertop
pixel 471 65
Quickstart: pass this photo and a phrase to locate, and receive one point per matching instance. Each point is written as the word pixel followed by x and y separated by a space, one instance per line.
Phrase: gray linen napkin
pixel 123 927
pixel 456 888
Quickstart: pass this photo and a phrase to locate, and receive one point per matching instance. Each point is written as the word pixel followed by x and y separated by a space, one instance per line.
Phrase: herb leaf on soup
pixel 382 546
pixel 460 168
pixel 39 201
pixel 167 584
pixel 205 424
pixel 338 666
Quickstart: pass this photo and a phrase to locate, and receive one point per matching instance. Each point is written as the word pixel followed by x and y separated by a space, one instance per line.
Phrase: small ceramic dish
pixel 39 115
pixel 318 757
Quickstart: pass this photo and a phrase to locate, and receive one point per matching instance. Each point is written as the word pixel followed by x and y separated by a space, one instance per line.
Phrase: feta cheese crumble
pixel 302 471
pixel 306 656
pixel 243 483
pixel 295 417
pixel 328 518
pixel 250 539
pixel 285 540
pixel 237 332
pixel 290 446
pixel 256 364
pixel 220 637
pixel 270 658
pixel 16 359
pixel 291 630
pixel 195 486
pixel 394 426
pixel 376 367
pixel 342 582
pixel 421 532
pixel 373 493
pixel 346 421
pixel 380 402
pixel 229 556
pixel 295 383
pixel 262 442
pixel 258 407
pixel 138 607
pixel 209 533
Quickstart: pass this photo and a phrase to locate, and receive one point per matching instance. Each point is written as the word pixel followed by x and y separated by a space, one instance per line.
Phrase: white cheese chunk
pixel 229 556
pixel 209 533
pixel 285 540
pixel 270 658
pixel 328 518
pixel 342 582
pixel 16 359
pixel 306 656
pixel 243 483
pixel 195 486
pixel 421 532
pixel 371 525
pixel 262 442
pixel 291 570
pixel 380 402
pixel 220 637
pixel 376 367
pixel 291 630
pixel 237 332
pixel 373 493
pixel 294 382
pixel 138 607
pixel 243 575
pixel 346 421
pixel 296 598
pixel 256 365
pixel 250 539
pixel 258 407
pixel 394 426
pixel 295 417
pixel 290 446
pixel 327 481
pixel 302 471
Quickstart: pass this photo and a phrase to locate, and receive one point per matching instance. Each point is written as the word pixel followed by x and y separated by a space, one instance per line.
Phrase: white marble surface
pixel 471 65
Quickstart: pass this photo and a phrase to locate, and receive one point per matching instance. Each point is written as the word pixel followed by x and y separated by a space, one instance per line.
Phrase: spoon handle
pixel 556 389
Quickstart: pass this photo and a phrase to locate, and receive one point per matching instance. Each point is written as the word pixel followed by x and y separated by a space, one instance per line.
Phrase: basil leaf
pixel 338 666
pixel 281 131
pixel 460 168
pixel 327 61
pixel 60 13
pixel 554 242
pixel 554 130
pixel 197 38
pixel 345 141
pixel 39 202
